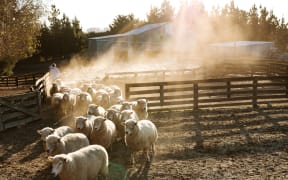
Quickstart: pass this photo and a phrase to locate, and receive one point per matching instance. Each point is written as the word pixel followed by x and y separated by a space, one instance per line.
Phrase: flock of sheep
pixel 103 117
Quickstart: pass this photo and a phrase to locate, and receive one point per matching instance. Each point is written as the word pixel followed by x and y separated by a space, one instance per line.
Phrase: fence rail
pixel 211 93
pixel 19 110
pixel 17 81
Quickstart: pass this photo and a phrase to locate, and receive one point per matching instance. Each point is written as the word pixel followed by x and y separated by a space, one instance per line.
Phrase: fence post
pixel 127 89
pixel 228 89
pixel 161 94
pixel 254 99
pixel 195 95
pixel 16 80
pixel 7 82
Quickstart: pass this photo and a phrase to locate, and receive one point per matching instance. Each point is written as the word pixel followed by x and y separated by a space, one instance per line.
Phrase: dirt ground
pixel 208 144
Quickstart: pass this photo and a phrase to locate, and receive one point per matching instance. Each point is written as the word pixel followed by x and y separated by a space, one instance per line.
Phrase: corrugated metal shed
pixel 146 37
pixel 242 48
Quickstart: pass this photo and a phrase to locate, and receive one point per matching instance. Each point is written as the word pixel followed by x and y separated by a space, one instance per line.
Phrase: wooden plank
pixel 144 92
pixel 20 122
pixel 268 96
pixel 18 108
pixel 225 104
pixel 215 100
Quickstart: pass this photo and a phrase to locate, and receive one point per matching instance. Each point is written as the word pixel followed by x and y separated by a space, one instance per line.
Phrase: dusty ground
pixel 218 144
pixel 209 144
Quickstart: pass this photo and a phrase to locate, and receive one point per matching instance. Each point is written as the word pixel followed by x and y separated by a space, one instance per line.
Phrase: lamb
pixel 140 135
pixel 83 101
pixel 86 163
pixel 125 115
pixel 93 93
pixel 68 102
pixel 66 144
pixel 60 131
pixel 116 95
pixel 102 98
pixel 75 91
pixel 104 132
pixel 84 125
pixel 128 105
pixel 56 101
pixel 141 108
pixel 96 110
pixel 113 113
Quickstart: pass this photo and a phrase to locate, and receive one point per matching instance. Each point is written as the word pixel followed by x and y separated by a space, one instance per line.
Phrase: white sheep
pixel 93 93
pixel 85 163
pixel 116 95
pixel 84 125
pixel 125 115
pixel 60 131
pixel 96 110
pixel 102 98
pixel 141 108
pixel 113 115
pixel 104 132
pixel 128 105
pixel 140 135
pixel 66 144
pixel 56 102
pixel 69 102
pixel 75 91
pixel 83 101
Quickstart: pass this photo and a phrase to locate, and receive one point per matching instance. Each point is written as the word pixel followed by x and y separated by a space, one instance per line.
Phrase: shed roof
pixel 241 43
pixel 133 32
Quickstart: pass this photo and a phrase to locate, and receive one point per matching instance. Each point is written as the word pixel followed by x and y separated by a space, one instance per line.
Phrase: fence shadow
pixel 254 131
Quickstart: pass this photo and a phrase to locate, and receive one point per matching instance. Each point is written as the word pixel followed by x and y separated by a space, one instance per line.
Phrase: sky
pixel 100 13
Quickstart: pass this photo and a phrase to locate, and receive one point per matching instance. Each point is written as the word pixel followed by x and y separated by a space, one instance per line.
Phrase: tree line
pixel 23 36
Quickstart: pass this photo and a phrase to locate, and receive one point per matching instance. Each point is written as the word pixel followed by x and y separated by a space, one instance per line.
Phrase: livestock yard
pixel 196 141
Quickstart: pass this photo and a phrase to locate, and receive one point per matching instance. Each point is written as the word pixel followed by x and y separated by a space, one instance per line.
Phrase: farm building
pixel 147 38
pixel 242 49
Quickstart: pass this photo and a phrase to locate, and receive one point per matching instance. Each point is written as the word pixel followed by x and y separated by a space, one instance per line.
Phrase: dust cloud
pixel 187 47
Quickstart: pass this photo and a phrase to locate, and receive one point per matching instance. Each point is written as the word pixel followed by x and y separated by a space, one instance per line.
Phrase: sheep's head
pixel 80 122
pixel 58 162
pixel 52 142
pixel 142 104
pixel 130 125
pixel 98 122
pixel 92 109
pixel 126 106
pixel 66 97
pixel 45 132
pixel 126 114
pixel 112 114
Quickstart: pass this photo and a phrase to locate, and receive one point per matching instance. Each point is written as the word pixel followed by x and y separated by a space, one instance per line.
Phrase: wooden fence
pixel 211 93
pixel 219 68
pixel 17 81
pixel 19 110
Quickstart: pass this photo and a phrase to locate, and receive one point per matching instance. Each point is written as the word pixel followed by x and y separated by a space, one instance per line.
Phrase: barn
pixel 146 38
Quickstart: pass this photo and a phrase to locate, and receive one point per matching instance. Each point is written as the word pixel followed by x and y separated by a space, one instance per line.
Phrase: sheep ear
pixel 135 123
pixel 103 118
pixel 39 132
pixel 50 158
pixel 65 159
pixel 53 130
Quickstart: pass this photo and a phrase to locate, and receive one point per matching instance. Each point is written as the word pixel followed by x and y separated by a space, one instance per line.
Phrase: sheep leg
pixel 132 158
pixel 145 151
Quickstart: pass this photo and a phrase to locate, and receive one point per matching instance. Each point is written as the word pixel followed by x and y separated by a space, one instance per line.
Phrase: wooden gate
pixel 19 110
